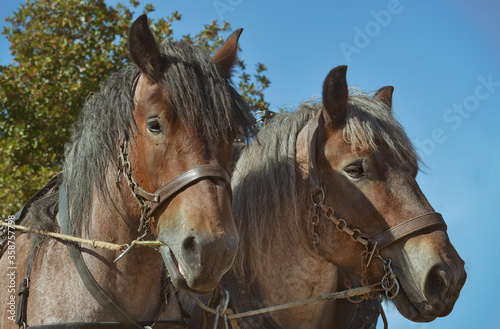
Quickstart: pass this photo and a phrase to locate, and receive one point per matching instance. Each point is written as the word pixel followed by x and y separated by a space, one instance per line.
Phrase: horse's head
pixel 368 171
pixel 186 116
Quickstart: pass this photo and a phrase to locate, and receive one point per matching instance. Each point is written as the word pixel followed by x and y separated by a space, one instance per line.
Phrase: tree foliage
pixel 62 50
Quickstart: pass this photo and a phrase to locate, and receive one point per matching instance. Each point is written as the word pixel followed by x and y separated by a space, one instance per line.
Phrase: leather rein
pixel 148 203
pixel 373 244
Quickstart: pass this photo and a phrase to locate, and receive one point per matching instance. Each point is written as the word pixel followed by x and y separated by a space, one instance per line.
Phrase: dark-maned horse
pixel 151 151
pixel 321 192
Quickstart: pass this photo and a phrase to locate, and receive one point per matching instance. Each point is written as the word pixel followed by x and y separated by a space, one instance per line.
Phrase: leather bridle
pixel 373 244
pixel 150 202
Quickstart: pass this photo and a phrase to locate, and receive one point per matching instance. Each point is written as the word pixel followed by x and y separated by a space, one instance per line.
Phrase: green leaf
pixel 58 60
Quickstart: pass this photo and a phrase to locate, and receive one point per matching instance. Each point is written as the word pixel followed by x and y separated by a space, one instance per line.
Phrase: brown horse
pixel 152 150
pixel 331 189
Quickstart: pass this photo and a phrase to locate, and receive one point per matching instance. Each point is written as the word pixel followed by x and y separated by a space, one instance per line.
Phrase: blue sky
pixel 442 57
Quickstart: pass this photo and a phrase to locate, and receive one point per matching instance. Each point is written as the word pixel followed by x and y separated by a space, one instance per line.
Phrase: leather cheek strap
pixel 407 228
pixel 180 182
pixel 393 234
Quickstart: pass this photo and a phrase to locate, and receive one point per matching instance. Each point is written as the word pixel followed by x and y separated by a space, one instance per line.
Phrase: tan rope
pixel 93 243
pixel 362 291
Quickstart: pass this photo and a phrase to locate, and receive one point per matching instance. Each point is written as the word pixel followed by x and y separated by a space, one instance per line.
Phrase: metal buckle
pixel 390 280
pixel 221 309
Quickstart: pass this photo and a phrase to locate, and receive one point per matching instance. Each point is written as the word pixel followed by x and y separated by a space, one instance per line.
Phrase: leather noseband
pixel 391 235
pixel 182 181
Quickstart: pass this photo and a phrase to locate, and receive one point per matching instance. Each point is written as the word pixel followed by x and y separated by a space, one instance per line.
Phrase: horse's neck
pixel 136 278
pixel 133 283
pixel 296 276
pixel 299 273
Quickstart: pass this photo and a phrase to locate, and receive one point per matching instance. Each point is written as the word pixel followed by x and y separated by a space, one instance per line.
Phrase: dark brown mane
pixel 200 95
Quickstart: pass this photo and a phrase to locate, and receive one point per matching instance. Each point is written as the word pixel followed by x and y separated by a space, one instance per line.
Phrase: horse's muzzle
pixel 197 264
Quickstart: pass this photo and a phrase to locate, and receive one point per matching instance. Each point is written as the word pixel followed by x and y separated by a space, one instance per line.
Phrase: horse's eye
pixel 154 125
pixel 355 171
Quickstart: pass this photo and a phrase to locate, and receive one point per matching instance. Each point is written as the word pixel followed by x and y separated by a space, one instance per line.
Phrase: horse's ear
pixel 225 57
pixel 335 95
pixel 143 49
pixel 384 95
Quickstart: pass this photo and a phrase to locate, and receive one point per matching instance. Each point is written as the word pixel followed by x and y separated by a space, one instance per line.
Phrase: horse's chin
pixel 409 310
pixel 178 275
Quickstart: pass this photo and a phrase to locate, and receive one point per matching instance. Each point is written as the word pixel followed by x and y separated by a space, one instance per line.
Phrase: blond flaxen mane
pixel 266 203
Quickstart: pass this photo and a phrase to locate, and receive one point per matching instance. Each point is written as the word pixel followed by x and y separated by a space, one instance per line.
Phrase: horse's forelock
pixel 197 91
pixel 371 123
pixel 201 95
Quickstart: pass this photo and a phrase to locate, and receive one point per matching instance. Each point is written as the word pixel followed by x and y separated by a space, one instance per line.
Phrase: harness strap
pixel 108 325
pixel 359 315
pixel 43 191
pixel 391 235
pixel 90 283
pixel 93 287
pixel 246 298
pixel 24 287
pixel 311 137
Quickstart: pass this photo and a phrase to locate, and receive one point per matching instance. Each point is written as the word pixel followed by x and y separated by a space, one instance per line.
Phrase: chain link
pixel 125 168
pixel 222 308
pixel 389 281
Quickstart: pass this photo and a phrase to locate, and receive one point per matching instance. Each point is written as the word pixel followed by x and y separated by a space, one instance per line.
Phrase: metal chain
pixel 318 198
pixel 126 168
pixel 221 309
pixel 389 282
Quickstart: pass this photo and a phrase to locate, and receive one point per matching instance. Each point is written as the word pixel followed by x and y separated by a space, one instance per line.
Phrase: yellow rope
pixel 93 243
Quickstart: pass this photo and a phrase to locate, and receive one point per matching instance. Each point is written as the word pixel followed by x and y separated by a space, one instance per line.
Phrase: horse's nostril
pixel 189 244
pixel 436 284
